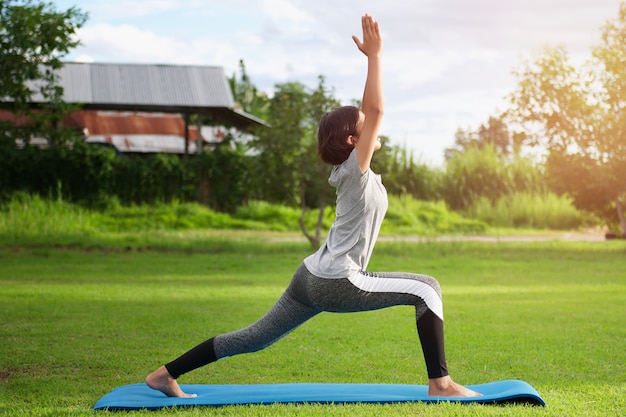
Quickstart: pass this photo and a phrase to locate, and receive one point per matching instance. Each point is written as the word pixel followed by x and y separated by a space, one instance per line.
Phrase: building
pixel 147 107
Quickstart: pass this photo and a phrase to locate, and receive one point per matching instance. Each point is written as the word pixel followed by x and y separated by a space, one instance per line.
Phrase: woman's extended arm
pixel 373 101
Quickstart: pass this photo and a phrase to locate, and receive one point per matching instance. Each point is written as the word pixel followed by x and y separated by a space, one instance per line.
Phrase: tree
pixel 34 37
pixel 612 146
pixel 287 168
pixel 579 117
pixel 314 172
pixel 495 133
pixel 278 147
pixel 247 97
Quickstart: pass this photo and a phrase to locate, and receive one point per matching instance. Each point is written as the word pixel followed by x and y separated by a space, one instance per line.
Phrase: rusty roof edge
pixel 205 90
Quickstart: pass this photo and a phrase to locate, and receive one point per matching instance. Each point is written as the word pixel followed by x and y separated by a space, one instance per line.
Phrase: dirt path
pixel 590 236
pixel 566 236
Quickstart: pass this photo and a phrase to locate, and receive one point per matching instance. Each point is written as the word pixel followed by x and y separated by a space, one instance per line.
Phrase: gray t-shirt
pixel 361 207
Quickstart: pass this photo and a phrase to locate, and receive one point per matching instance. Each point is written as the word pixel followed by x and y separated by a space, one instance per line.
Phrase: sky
pixel 447 64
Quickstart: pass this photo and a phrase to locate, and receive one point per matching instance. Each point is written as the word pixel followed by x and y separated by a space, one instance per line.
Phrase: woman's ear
pixel 352 140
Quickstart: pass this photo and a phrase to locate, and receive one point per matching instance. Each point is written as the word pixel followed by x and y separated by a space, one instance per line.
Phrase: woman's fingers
pixel 370 26
pixel 371 36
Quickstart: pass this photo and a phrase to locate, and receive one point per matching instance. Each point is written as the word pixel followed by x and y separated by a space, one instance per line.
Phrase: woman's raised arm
pixel 373 101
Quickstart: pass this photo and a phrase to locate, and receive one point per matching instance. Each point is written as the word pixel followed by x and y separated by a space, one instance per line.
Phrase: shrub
pixel 173 216
pixel 528 210
pixel 25 216
pixel 480 173
pixel 407 215
pixel 281 218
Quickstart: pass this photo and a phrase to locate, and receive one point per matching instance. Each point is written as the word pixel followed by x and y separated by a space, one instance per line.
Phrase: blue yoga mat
pixel 140 396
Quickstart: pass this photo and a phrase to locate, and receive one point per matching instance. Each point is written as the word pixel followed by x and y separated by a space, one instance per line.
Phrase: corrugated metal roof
pixel 143 84
pixel 152 88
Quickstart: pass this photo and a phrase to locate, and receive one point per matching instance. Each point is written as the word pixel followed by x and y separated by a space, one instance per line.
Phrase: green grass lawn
pixel 76 323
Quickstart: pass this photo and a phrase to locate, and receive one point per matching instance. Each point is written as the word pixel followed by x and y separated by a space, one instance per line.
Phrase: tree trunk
pixel 320 223
pixel 203 188
pixel 312 240
pixel 619 204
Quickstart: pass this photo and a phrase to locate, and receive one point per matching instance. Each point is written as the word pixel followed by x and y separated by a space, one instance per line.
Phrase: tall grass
pixel 407 215
pixel 25 219
pixel 528 210
pixel 480 172
pixel 281 218
pixel 26 216
pixel 171 216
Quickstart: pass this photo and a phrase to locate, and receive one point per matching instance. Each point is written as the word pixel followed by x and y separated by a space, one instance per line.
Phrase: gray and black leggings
pixel 308 295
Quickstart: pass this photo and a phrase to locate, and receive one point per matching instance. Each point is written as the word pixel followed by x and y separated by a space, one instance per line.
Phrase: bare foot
pixel 161 380
pixel 446 387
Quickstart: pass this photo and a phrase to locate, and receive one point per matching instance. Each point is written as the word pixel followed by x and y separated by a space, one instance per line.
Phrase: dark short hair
pixel 332 134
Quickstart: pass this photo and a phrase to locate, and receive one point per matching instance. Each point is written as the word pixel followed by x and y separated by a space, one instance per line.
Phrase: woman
pixel 334 279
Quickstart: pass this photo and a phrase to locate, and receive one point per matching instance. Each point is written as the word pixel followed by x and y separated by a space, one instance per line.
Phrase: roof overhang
pixel 202 90
pixel 229 116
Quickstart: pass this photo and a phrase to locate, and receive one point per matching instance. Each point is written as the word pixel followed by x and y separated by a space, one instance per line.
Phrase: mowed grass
pixel 74 324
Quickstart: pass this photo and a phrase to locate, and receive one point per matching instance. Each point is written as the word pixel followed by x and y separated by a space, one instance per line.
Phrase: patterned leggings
pixel 308 295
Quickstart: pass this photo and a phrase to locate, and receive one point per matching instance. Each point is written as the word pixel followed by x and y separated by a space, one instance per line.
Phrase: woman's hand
pixel 372 44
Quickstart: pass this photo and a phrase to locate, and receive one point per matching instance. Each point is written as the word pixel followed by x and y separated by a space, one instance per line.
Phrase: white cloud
pixel 106 10
pixel 127 43
pixel 284 10
pixel 85 59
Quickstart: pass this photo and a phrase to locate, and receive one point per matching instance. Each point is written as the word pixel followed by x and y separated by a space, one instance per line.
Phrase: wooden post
pixel 199 142
pixel 203 175
pixel 186 153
